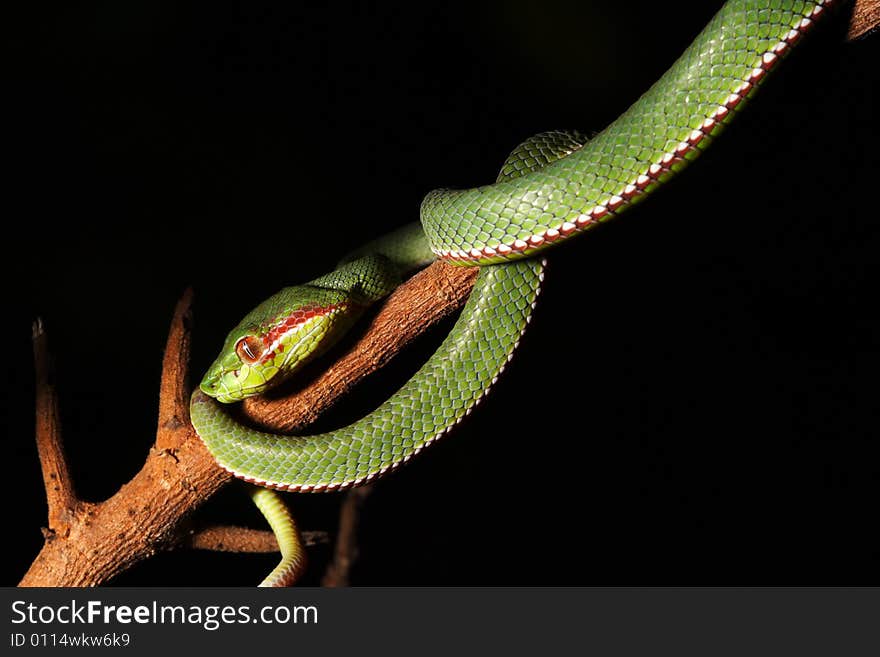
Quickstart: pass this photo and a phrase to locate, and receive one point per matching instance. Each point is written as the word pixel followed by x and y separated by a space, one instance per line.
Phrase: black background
pixel 702 375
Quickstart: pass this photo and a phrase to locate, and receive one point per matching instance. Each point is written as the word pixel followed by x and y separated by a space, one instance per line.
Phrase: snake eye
pixel 249 349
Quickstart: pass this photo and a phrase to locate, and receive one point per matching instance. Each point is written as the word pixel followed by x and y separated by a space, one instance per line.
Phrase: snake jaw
pixel 229 380
pixel 272 342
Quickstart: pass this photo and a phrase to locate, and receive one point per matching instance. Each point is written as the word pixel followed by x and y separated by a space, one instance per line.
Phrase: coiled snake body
pixel 552 187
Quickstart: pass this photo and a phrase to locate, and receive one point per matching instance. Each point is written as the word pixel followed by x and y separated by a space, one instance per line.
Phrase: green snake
pixel 552 187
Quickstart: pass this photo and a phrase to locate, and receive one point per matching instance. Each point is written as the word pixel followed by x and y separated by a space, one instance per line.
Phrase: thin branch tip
pixel 174 384
pixel 61 498
pixel 345 554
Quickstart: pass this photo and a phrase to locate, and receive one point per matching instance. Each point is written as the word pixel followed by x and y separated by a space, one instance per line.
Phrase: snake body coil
pixel 553 187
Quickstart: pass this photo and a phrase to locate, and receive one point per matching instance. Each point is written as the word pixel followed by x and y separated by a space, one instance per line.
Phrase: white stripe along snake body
pixel 552 187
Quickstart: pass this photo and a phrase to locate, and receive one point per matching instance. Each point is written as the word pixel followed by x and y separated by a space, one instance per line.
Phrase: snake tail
pixel 282 524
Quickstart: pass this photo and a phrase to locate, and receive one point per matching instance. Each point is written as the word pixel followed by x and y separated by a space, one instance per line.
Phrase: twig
pixel 865 18
pixel 229 538
pixel 174 385
pixel 60 494
pixel 346 551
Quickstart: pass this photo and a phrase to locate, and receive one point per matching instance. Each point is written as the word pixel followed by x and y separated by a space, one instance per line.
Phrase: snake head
pixel 275 339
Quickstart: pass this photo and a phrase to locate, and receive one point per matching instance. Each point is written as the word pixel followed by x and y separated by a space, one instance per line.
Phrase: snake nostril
pixel 209 385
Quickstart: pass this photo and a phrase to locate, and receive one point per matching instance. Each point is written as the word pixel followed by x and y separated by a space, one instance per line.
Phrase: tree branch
pixel 60 494
pixel 147 514
pixel 229 538
pixel 174 385
pixel 346 552
pixel 865 18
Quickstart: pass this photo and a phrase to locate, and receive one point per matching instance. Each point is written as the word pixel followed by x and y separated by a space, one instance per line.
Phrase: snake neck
pixel 407 247
pixel 428 406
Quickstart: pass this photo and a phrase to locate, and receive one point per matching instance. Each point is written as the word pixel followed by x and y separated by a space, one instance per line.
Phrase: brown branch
pixel 865 18
pixel 346 551
pixel 147 514
pixel 228 538
pixel 174 385
pixel 60 495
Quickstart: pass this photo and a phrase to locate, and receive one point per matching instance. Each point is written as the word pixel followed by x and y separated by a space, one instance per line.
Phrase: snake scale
pixel 552 187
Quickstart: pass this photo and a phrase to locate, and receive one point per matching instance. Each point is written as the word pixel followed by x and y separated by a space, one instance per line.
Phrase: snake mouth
pixel 231 387
pixel 220 393
pixel 212 385
pixel 212 389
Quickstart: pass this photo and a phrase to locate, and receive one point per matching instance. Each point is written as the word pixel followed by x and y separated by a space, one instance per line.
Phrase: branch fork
pixel 86 544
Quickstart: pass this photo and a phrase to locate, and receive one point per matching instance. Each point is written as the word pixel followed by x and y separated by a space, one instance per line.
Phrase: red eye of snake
pixel 249 349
